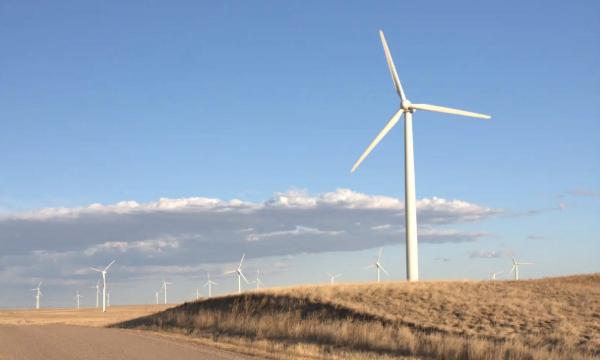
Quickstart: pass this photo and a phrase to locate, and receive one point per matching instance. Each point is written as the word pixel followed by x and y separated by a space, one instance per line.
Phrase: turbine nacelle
pixel 406 105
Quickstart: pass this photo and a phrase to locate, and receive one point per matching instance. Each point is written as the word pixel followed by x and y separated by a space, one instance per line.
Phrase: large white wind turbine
pixel 77 298
pixel 377 265
pixel 209 283
pixel 97 287
pixel 515 267
pixel 103 272
pixel 407 108
pixel 332 277
pixel 38 294
pixel 164 286
pixel 240 275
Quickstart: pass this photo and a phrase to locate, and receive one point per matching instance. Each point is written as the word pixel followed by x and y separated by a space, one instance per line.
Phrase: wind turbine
pixel 103 272
pixel 97 293
pixel 156 295
pixel 77 297
pixel 515 267
pixel 258 281
pixel 407 108
pixel 240 275
pixel 378 266
pixel 495 273
pixel 332 277
pixel 209 283
pixel 164 286
pixel 197 294
pixel 38 294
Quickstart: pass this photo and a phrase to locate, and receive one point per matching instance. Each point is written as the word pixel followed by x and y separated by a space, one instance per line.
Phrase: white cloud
pixel 299 230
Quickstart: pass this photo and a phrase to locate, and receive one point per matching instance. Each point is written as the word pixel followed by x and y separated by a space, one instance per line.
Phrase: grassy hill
pixel 553 318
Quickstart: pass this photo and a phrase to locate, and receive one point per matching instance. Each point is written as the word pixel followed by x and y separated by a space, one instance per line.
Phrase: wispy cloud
pixel 583 192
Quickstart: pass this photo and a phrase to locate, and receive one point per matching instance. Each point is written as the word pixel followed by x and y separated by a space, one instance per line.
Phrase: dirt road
pixel 69 342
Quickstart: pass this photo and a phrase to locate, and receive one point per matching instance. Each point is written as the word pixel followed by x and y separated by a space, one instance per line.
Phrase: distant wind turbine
pixel 38 294
pixel 240 275
pixel 108 298
pixel 97 287
pixel 332 277
pixel 377 265
pixel 258 281
pixel 164 286
pixel 515 267
pixel 197 294
pixel 77 297
pixel 495 273
pixel 156 295
pixel 103 272
pixel 209 283
pixel 407 108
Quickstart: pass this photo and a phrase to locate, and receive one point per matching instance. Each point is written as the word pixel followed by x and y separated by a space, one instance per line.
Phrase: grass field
pixel 83 316
pixel 553 318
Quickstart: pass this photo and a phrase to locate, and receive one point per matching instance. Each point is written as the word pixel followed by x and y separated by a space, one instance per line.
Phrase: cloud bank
pixel 189 231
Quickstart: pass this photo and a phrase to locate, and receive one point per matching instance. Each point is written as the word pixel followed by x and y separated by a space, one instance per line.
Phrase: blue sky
pixel 111 101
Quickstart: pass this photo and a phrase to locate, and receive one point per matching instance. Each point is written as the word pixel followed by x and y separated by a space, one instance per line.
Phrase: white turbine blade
pixel 378 138
pixel 526 263
pixel 241 261
pixel 242 274
pixel 370 266
pixel 384 270
pixel 230 272
pixel 447 110
pixel 380 253
pixel 512 269
pixel 96 269
pixel 391 66
pixel 109 265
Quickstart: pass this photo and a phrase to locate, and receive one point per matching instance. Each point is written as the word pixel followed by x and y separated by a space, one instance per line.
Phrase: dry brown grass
pixel 553 318
pixel 83 316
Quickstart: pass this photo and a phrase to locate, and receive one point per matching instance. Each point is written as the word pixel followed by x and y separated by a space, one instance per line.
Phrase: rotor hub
pixel 406 105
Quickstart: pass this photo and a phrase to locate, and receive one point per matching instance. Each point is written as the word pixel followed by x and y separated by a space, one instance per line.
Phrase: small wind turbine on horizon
pixel 240 275
pixel 38 294
pixel 407 108
pixel 197 294
pixel 258 281
pixel 332 277
pixel 156 295
pixel 77 298
pixel 164 286
pixel 103 272
pixel 495 273
pixel 377 265
pixel 209 283
pixel 515 267
pixel 97 287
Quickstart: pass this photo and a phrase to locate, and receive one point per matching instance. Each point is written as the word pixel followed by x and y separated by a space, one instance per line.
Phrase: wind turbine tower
pixel 407 109
pixel 164 286
pixel 97 287
pixel 77 298
pixel 38 294
pixel 209 283
pixel 377 265
pixel 332 277
pixel 515 267
pixel 495 273
pixel 240 275
pixel 258 281
pixel 103 272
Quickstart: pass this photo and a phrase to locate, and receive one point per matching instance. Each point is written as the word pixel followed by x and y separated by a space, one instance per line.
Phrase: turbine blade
pixel 380 253
pixel 384 270
pixel 512 269
pixel 391 66
pixel 526 263
pixel 230 272
pixel 96 269
pixel 378 138
pixel 242 274
pixel 447 110
pixel 240 266
pixel 109 265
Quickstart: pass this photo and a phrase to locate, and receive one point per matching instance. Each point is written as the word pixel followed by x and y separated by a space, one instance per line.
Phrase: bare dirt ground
pixel 70 342
pixel 67 334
